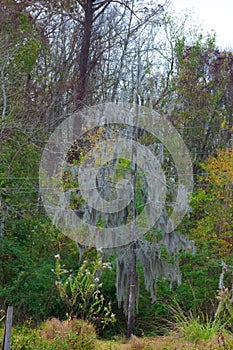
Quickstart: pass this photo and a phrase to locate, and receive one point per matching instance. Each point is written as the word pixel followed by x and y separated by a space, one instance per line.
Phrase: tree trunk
pixel 132 294
pixel 133 280
pixel 84 57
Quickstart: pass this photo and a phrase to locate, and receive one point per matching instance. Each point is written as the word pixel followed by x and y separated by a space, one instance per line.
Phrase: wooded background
pixel 59 56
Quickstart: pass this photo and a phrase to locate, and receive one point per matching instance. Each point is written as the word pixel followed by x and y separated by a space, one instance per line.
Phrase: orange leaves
pixel 215 228
pixel 220 168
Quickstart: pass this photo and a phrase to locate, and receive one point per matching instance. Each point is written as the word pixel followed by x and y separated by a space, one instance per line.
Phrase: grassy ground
pixel 172 342
pixel 56 335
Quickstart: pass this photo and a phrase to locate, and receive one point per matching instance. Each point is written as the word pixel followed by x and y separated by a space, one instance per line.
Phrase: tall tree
pixel 204 83
pixel 139 251
pixel 213 204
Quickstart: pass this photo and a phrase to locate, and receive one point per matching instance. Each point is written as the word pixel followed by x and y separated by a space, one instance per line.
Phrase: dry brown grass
pixel 54 327
pixel 171 342
pixel 136 343
pixel 75 334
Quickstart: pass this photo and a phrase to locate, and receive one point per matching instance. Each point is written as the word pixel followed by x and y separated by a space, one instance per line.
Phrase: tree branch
pixel 3 94
pixel 107 3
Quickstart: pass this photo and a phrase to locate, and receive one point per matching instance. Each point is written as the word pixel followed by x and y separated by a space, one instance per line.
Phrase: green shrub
pixel 56 335
pixel 81 291
pixel 24 338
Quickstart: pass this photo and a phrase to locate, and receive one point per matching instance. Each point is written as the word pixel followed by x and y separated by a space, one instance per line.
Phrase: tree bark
pixel 133 280
pixel 84 57
pixel 132 293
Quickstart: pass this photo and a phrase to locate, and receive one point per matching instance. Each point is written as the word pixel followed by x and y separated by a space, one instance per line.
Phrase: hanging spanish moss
pixel 155 267
pixel 123 164
pixel 125 261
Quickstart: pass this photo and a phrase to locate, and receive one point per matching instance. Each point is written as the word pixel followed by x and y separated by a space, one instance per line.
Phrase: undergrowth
pixel 56 335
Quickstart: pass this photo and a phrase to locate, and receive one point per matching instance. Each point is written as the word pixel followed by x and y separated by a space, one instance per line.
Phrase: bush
pixel 24 338
pixel 56 335
pixel 77 334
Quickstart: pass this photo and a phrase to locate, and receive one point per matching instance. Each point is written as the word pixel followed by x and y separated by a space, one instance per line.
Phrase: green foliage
pixel 27 55
pixel 81 292
pixel 224 310
pixel 203 88
pixel 76 335
pixel 214 202
pixel 24 23
pixel 199 85
pixel 195 328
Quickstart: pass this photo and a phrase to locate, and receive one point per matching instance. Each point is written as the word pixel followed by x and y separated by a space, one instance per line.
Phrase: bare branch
pixel 3 94
pixel 107 3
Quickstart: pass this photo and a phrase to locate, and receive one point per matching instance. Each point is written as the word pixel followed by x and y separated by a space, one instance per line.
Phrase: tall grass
pixel 195 327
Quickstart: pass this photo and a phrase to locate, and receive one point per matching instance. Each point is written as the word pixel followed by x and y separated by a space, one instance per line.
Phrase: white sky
pixel 212 14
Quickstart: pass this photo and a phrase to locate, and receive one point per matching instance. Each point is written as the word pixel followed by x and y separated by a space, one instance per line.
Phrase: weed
pixel 195 328
pixel 78 334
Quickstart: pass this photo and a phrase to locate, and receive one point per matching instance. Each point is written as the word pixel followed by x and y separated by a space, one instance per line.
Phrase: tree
pixel 213 204
pixel 63 55
pixel 147 251
pixel 203 106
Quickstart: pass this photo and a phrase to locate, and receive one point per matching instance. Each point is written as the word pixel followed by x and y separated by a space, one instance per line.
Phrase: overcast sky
pixel 212 14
